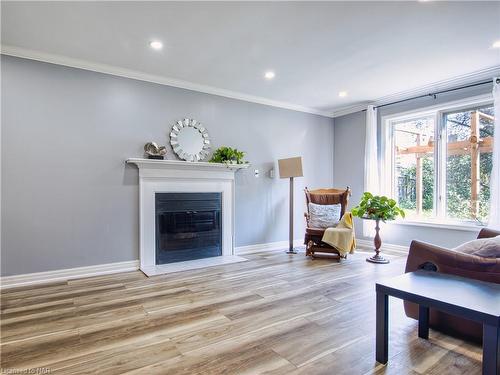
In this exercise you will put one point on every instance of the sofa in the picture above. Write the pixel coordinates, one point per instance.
(434, 258)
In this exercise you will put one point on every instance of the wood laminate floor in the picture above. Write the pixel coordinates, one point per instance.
(275, 314)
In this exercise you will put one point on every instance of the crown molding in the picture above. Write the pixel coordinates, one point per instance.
(457, 81)
(141, 76)
(168, 81)
(342, 111)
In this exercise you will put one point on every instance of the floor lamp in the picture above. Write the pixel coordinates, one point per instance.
(290, 168)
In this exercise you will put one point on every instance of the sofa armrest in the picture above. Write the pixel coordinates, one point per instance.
(452, 262)
(422, 252)
(488, 233)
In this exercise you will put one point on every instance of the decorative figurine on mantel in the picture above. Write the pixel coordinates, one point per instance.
(153, 151)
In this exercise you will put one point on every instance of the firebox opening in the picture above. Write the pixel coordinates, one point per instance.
(188, 226)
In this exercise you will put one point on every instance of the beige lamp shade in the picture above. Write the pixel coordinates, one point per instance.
(291, 167)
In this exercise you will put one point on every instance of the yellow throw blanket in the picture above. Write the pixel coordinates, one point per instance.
(342, 237)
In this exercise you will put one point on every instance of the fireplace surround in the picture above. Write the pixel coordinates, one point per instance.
(160, 177)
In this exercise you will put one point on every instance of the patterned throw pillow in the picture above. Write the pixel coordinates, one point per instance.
(324, 215)
(484, 247)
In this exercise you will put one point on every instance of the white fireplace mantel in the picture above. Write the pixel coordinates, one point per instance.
(144, 164)
(174, 176)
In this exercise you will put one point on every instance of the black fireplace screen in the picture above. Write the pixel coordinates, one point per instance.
(188, 226)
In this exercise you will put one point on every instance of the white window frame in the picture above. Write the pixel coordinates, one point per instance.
(387, 158)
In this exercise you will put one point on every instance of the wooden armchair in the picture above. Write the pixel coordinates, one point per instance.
(313, 236)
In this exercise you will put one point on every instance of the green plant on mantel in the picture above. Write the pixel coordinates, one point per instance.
(377, 207)
(228, 155)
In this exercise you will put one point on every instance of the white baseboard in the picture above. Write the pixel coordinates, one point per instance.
(368, 244)
(67, 274)
(109, 268)
(270, 246)
(133, 265)
(281, 245)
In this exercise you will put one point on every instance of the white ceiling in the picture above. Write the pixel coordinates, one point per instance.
(369, 49)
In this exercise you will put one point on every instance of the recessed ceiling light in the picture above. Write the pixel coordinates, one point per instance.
(343, 94)
(496, 44)
(156, 44)
(269, 75)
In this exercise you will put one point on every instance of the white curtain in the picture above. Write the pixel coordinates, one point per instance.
(372, 183)
(371, 152)
(494, 221)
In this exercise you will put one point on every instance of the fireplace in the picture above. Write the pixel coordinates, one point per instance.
(186, 215)
(188, 226)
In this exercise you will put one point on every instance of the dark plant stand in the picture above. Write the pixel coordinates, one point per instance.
(377, 242)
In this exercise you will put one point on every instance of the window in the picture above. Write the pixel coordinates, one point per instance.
(414, 165)
(438, 162)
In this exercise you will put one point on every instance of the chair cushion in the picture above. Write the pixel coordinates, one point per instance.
(484, 247)
(324, 215)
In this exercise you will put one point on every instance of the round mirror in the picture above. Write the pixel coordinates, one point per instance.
(189, 140)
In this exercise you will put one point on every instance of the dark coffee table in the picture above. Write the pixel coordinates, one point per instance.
(467, 298)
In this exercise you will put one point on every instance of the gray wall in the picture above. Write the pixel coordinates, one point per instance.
(349, 136)
(68, 199)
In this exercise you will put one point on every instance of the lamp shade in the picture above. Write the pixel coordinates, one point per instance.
(291, 167)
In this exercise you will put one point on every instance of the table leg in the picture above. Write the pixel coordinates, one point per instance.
(423, 322)
(491, 349)
(382, 329)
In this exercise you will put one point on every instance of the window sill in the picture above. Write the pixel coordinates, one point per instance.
(468, 227)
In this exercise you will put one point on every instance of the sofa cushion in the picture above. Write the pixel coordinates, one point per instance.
(484, 247)
(324, 215)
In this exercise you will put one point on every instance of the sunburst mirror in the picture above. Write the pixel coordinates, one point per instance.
(190, 140)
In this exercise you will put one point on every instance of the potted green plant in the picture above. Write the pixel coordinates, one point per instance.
(228, 155)
(377, 207)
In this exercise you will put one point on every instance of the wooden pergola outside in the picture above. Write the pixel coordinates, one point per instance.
(473, 146)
